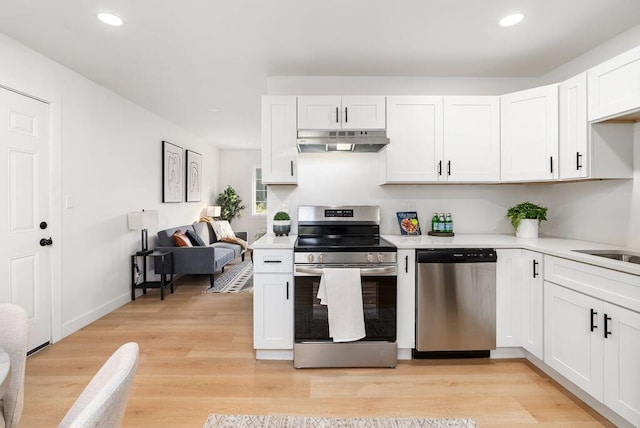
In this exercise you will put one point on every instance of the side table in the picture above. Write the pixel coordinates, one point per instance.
(166, 261)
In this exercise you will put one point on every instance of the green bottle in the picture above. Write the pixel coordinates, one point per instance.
(434, 222)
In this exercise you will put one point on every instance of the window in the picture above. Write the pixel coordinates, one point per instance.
(259, 205)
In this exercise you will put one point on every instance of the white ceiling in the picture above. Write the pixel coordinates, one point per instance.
(179, 58)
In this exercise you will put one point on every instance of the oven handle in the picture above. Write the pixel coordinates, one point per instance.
(377, 271)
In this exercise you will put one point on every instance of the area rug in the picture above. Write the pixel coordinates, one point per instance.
(235, 279)
(266, 421)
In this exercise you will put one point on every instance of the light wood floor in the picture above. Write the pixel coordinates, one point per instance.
(196, 358)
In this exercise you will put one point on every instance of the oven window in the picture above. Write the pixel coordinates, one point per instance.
(378, 301)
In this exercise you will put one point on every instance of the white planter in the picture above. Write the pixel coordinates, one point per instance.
(527, 229)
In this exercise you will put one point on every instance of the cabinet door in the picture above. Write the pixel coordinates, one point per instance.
(573, 343)
(279, 153)
(509, 298)
(529, 134)
(614, 86)
(573, 128)
(414, 128)
(406, 321)
(532, 303)
(363, 112)
(622, 362)
(319, 112)
(273, 311)
(472, 138)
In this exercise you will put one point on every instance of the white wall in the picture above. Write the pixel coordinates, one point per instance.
(107, 157)
(236, 169)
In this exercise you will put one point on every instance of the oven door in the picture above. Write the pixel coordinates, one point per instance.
(379, 300)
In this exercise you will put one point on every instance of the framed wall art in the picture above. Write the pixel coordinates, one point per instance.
(194, 176)
(172, 173)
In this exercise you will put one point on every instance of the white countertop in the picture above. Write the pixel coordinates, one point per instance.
(271, 241)
(558, 247)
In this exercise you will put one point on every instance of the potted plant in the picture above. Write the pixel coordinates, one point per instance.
(281, 223)
(230, 204)
(526, 218)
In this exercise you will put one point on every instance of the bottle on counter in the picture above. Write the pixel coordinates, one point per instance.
(441, 223)
(434, 222)
(448, 223)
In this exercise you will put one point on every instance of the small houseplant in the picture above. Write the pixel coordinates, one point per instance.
(281, 223)
(526, 218)
(230, 204)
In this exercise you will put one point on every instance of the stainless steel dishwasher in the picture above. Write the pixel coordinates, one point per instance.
(455, 302)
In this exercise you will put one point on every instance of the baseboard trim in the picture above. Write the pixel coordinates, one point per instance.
(274, 354)
(87, 318)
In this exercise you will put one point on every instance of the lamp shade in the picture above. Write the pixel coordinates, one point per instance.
(139, 220)
(213, 211)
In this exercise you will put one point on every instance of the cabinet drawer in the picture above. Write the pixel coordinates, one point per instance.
(609, 285)
(280, 261)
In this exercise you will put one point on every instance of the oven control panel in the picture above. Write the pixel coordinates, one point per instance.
(372, 257)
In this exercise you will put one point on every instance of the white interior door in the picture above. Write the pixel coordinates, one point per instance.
(25, 264)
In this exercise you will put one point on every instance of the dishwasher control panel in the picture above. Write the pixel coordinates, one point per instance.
(456, 255)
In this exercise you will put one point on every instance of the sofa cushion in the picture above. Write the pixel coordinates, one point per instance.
(165, 237)
(235, 240)
(180, 239)
(195, 239)
(235, 248)
(222, 229)
(222, 255)
(205, 232)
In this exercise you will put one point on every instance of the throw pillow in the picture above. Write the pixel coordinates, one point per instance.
(235, 240)
(194, 238)
(222, 229)
(180, 239)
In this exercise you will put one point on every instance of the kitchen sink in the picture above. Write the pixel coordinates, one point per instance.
(614, 254)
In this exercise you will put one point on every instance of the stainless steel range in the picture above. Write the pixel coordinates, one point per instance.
(340, 237)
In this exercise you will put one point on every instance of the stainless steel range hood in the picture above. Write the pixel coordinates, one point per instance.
(355, 141)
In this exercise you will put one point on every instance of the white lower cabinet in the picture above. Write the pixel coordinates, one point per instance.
(273, 303)
(509, 298)
(532, 303)
(406, 318)
(592, 342)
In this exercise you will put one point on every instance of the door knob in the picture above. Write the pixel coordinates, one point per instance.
(44, 242)
(43, 225)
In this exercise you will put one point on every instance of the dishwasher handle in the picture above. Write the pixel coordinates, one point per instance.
(456, 255)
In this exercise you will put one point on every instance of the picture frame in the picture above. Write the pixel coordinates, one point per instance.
(193, 177)
(172, 172)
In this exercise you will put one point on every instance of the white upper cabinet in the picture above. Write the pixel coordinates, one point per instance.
(279, 152)
(415, 131)
(471, 139)
(335, 112)
(529, 134)
(614, 86)
(574, 158)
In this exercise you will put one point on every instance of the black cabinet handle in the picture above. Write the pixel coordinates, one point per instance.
(406, 264)
(287, 290)
(593, 325)
(346, 114)
(440, 168)
(272, 261)
(449, 168)
(292, 168)
(535, 264)
(551, 164)
(578, 156)
(337, 113)
(607, 333)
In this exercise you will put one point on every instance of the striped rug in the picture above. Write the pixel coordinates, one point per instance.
(237, 278)
(266, 421)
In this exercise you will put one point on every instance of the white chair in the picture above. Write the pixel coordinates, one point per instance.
(14, 330)
(103, 401)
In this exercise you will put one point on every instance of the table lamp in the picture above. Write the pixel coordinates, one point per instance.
(214, 211)
(142, 220)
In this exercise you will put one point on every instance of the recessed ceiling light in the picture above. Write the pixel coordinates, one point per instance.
(512, 19)
(214, 110)
(110, 19)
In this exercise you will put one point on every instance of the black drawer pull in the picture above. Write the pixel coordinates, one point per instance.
(578, 156)
(287, 290)
(440, 168)
(535, 264)
(593, 314)
(273, 261)
(337, 115)
(406, 264)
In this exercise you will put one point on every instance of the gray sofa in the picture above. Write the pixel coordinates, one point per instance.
(199, 260)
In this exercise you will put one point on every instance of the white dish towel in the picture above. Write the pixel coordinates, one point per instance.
(341, 291)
